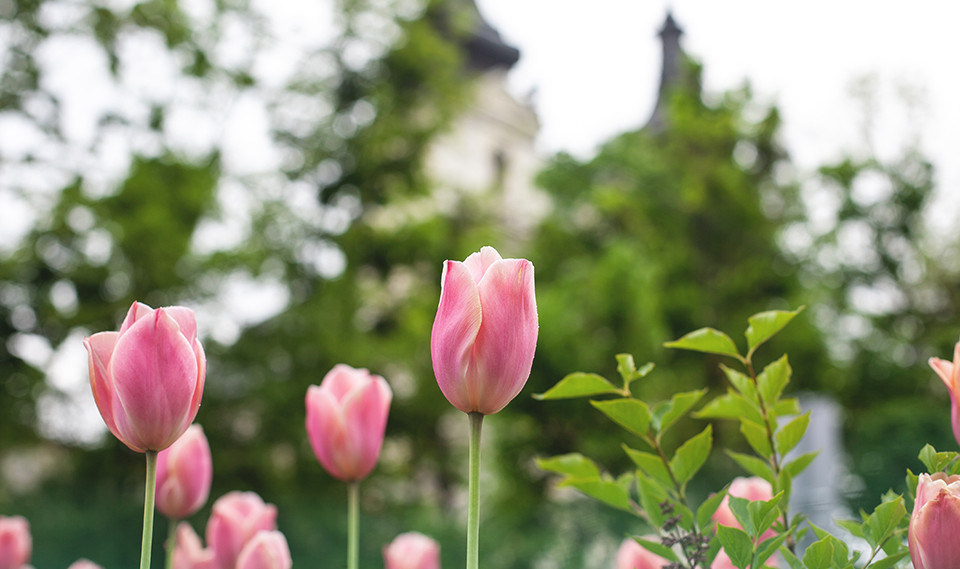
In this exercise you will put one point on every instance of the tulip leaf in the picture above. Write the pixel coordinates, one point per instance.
(579, 385)
(790, 434)
(708, 508)
(650, 465)
(737, 544)
(756, 435)
(573, 464)
(764, 325)
(666, 413)
(691, 456)
(707, 340)
(730, 406)
(773, 379)
(658, 548)
(631, 414)
(753, 465)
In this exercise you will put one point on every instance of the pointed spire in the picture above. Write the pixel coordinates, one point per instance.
(485, 49)
(672, 72)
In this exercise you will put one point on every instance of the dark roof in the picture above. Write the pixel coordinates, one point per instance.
(485, 49)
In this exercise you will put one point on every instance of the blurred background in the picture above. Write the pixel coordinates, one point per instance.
(297, 171)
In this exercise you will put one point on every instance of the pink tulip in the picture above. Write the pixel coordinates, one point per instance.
(236, 518)
(16, 545)
(346, 420)
(632, 555)
(935, 523)
(485, 332)
(267, 550)
(189, 552)
(184, 474)
(84, 564)
(950, 374)
(753, 489)
(147, 379)
(722, 561)
(412, 550)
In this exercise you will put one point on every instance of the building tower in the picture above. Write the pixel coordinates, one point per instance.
(673, 72)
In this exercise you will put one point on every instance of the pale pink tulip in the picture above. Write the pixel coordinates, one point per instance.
(84, 564)
(346, 421)
(267, 550)
(189, 553)
(412, 550)
(935, 523)
(949, 372)
(147, 379)
(722, 561)
(753, 489)
(184, 474)
(235, 519)
(632, 555)
(16, 545)
(485, 332)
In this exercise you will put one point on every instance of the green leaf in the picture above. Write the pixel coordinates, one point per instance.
(792, 560)
(852, 526)
(737, 544)
(657, 548)
(799, 464)
(691, 456)
(650, 465)
(573, 464)
(708, 508)
(763, 513)
(730, 406)
(603, 489)
(768, 547)
(791, 433)
(740, 509)
(578, 385)
(936, 461)
(667, 413)
(789, 406)
(819, 555)
(889, 560)
(741, 382)
(707, 340)
(753, 465)
(765, 324)
(626, 367)
(652, 495)
(773, 379)
(756, 435)
(631, 414)
(884, 521)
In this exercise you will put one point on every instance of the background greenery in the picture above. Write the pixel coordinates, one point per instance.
(656, 235)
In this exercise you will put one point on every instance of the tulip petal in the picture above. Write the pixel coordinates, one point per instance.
(454, 332)
(327, 431)
(478, 263)
(100, 348)
(185, 319)
(155, 373)
(137, 311)
(505, 345)
(343, 379)
(365, 413)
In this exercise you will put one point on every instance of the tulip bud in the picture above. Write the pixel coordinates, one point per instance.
(346, 421)
(189, 553)
(147, 379)
(412, 550)
(184, 474)
(16, 545)
(485, 332)
(235, 519)
(949, 372)
(84, 564)
(267, 550)
(632, 555)
(932, 534)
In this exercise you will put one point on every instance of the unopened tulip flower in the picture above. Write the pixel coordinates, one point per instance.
(184, 474)
(267, 550)
(485, 332)
(346, 421)
(632, 555)
(189, 553)
(16, 545)
(84, 564)
(949, 372)
(935, 523)
(147, 379)
(412, 550)
(235, 519)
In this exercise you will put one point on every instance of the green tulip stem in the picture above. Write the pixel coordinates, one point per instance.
(149, 498)
(353, 525)
(473, 513)
(171, 542)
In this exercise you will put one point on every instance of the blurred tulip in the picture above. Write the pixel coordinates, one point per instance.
(412, 550)
(949, 372)
(346, 420)
(235, 519)
(935, 523)
(632, 555)
(184, 474)
(267, 550)
(147, 379)
(485, 332)
(84, 564)
(753, 489)
(16, 545)
(189, 553)
(722, 561)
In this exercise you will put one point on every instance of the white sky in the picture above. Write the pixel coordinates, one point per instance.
(595, 66)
